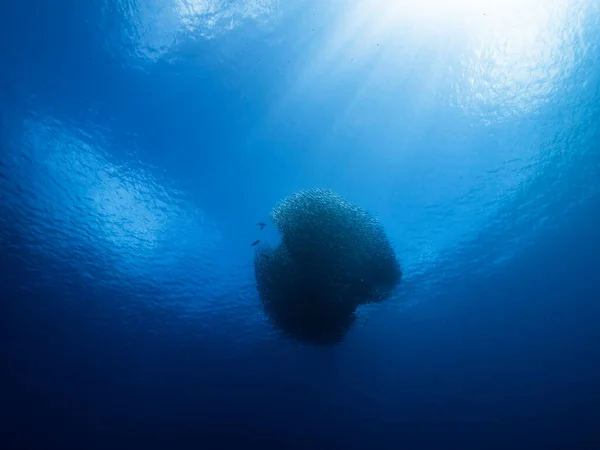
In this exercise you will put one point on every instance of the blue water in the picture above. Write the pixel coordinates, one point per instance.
(142, 140)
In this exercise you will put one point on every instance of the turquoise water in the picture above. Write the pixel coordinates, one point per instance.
(141, 142)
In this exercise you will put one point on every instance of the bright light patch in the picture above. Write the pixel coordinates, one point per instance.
(78, 197)
(154, 27)
(505, 53)
(210, 17)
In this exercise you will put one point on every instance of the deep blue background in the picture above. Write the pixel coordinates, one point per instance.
(140, 142)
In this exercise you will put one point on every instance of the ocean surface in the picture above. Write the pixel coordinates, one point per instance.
(141, 141)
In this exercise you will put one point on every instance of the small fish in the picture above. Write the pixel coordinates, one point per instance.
(261, 225)
(255, 242)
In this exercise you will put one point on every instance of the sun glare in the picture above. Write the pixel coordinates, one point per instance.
(501, 51)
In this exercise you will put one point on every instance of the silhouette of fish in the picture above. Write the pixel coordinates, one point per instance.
(261, 225)
(255, 242)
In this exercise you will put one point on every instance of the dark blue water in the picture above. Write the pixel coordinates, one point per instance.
(141, 141)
